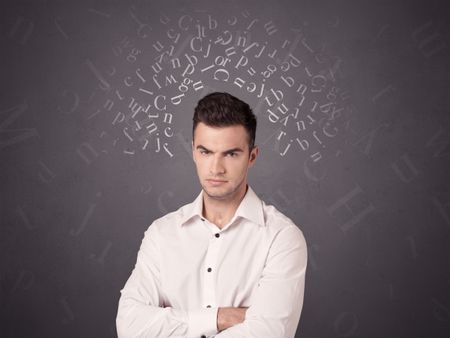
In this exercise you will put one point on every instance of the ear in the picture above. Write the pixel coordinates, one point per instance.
(193, 153)
(253, 155)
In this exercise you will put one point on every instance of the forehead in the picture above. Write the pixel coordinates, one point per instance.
(220, 138)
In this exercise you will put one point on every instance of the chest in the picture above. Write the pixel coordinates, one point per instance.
(199, 267)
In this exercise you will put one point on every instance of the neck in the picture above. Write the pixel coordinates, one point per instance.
(221, 211)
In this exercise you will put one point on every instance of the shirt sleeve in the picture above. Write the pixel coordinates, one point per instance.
(278, 299)
(140, 311)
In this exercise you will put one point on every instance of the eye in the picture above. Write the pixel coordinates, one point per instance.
(232, 154)
(204, 152)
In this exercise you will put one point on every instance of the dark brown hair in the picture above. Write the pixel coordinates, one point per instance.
(223, 110)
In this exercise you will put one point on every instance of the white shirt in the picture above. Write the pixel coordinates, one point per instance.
(187, 268)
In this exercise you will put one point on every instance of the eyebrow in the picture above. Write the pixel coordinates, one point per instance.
(232, 150)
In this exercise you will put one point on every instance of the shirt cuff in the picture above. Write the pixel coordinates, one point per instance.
(202, 322)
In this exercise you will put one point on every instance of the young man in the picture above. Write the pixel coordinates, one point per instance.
(226, 265)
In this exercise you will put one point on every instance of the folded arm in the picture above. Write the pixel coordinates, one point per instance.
(140, 311)
(278, 299)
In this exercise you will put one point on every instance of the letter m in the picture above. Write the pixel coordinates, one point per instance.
(441, 146)
(9, 137)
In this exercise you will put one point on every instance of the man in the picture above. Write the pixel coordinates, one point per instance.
(226, 265)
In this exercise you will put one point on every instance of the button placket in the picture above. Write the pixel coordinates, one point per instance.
(210, 273)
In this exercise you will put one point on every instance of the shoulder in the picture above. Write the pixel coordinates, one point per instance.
(275, 218)
(168, 221)
(280, 224)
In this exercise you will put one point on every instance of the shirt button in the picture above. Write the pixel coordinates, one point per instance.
(203, 336)
(217, 235)
(208, 305)
(209, 269)
(203, 219)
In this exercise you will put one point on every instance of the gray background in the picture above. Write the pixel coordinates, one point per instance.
(370, 190)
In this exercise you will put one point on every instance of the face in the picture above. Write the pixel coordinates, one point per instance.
(222, 158)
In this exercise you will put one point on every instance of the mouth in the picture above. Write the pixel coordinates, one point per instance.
(215, 182)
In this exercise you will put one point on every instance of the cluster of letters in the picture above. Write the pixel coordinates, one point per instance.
(190, 54)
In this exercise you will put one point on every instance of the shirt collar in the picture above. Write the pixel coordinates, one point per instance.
(193, 209)
(250, 208)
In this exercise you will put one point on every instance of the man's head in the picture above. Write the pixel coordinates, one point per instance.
(223, 110)
(223, 145)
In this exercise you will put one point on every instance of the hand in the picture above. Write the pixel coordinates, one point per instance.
(230, 316)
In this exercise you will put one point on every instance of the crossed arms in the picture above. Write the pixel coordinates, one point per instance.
(274, 312)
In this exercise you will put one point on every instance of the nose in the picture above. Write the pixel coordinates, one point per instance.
(217, 167)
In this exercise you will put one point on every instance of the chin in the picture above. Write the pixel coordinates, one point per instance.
(217, 194)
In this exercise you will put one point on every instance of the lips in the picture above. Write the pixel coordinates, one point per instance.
(215, 181)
